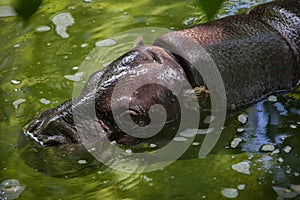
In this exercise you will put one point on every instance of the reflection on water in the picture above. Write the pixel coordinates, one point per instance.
(34, 64)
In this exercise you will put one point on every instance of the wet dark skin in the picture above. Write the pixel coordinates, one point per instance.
(257, 54)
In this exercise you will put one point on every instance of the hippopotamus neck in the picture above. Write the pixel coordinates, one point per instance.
(256, 53)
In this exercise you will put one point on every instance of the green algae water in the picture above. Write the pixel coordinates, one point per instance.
(39, 62)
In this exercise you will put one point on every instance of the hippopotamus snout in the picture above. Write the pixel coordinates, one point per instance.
(152, 67)
(52, 128)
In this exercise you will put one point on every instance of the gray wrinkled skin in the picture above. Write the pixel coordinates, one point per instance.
(256, 53)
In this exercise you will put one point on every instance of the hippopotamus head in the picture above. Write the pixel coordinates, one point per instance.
(160, 80)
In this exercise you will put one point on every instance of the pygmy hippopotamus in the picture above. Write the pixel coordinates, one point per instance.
(257, 54)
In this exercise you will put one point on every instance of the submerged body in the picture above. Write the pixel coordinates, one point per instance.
(256, 54)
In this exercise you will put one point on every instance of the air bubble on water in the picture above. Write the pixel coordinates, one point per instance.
(62, 21)
(83, 45)
(106, 42)
(75, 68)
(43, 28)
(235, 142)
(242, 167)
(82, 162)
(242, 118)
(268, 147)
(280, 159)
(230, 193)
(17, 45)
(128, 151)
(241, 186)
(16, 103)
(272, 98)
(15, 82)
(153, 145)
(276, 151)
(45, 101)
(287, 149)
(293, 126)
(240, 130)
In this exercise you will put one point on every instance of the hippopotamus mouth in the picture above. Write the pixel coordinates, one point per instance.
(56, 126)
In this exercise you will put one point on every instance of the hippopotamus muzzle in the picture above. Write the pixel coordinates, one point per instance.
(150, 65)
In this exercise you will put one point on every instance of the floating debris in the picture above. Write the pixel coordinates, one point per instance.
(76, 77)
(15, 82)
(241, 186)
(209, 119)
(45, 101)
(16, 103)
(242, 167)
(230, 193)
(287, 149)
(11, 189)
(272, 98)
(268, 147)
(62, 21)
(243, 118)
(235, 142)
(82, 162)
(43, 28)
(106, 43)
(284, 193)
